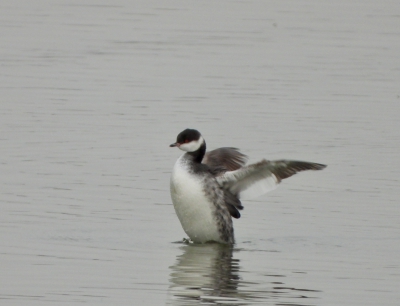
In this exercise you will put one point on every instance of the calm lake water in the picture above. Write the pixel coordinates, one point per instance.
(93, 93)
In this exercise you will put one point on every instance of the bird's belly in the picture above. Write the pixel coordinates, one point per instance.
(194, 210)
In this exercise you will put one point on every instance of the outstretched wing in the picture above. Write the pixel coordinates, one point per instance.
(224, 159)
(256, 179)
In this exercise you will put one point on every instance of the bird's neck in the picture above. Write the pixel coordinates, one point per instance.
(197, 156)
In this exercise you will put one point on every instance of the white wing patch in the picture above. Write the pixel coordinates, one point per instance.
(249, 181)
(259, 188)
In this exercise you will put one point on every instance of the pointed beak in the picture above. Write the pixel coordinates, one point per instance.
(174, 145)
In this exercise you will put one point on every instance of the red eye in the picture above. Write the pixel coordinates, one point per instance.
(186, 140)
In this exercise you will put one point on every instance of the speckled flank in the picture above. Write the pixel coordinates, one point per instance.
(221, 214)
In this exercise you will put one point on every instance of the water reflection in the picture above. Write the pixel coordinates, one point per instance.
(209, 274)
(204, 273)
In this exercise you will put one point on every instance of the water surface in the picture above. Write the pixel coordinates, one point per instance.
(92, 95)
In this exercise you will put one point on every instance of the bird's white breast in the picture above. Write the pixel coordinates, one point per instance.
(194, 210)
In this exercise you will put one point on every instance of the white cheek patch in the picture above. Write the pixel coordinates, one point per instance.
(192, 146)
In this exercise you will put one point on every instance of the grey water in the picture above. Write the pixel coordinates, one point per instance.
(93, 93)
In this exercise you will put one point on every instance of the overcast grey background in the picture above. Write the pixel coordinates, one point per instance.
(92, 94)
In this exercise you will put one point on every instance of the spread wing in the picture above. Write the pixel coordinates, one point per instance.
(256, 179)
(224, 159)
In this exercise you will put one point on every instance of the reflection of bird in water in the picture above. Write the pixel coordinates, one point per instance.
(204, 272)
(206, 188)
(209, 274)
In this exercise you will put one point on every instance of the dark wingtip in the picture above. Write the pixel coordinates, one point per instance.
(286, 168)
(236, 214)
(320, 166)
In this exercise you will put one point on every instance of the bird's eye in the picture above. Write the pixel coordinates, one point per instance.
(186, 140)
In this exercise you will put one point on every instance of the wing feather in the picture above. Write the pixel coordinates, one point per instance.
(256, 179)
(224, 159)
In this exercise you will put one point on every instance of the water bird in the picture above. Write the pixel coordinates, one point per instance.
(206, 187)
